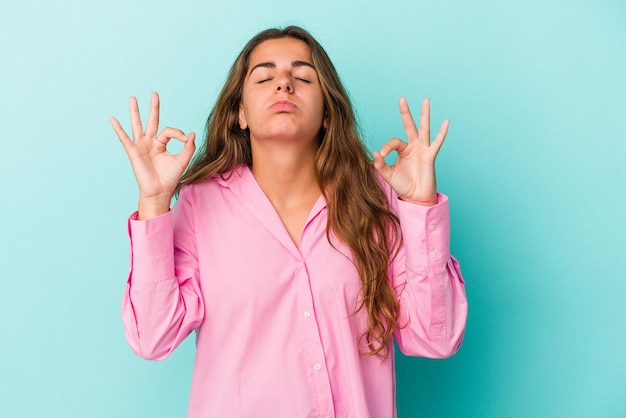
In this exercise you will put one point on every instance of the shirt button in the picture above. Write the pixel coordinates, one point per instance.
(431, 227)
(307, 314)
(432, 254)
(317, 366)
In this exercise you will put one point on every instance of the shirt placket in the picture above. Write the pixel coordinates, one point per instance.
(312, 351)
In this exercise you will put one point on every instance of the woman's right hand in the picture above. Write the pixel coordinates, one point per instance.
(156, 170)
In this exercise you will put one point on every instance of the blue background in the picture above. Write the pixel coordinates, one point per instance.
(534, 165)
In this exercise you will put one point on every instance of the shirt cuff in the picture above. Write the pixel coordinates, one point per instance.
(426, 232)
(151, 249)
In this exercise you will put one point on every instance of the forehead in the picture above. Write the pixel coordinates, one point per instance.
(275, 50)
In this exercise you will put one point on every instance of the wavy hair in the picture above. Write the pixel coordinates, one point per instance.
(358, 211)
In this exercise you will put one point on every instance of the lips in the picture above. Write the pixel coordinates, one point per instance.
(283, 105)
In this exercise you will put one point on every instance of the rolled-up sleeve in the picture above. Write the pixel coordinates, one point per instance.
(428, 282)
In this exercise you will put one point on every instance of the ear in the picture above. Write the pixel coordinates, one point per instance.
(325, 121)
(243, 124)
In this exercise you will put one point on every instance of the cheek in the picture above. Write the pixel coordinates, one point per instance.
(246, 111)
(321, 103)
(323, 113)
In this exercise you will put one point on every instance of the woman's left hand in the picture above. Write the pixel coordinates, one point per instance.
(413, 174)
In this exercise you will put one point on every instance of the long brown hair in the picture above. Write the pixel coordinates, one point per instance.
(358, 211)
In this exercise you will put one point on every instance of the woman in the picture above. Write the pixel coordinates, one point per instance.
(294, 258)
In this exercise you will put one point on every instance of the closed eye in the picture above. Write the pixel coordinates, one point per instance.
(263, 81)
(304, 80)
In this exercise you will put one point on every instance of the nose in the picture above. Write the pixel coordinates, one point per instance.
(284, 84)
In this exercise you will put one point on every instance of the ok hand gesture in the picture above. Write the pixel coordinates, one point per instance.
(156, 170)
(413, 174)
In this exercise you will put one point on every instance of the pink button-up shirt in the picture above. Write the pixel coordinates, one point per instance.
(277, 331)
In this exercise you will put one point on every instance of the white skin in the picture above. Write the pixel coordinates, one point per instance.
(283, 107)
(156, 170)
(412, 176)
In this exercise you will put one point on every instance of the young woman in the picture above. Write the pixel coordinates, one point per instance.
(295, 259)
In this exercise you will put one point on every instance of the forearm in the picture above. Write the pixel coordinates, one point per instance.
(429, 283)
(162, 303)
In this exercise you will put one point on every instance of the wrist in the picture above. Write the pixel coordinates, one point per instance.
(151, 207)
(423, 199)
(430, 202)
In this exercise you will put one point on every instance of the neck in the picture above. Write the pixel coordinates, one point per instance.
(285, 173)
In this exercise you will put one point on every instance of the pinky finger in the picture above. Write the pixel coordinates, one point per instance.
(121, 133)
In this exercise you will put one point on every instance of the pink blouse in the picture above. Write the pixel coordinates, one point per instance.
(277, 331)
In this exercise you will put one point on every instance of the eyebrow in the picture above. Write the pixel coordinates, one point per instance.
(272, 64)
